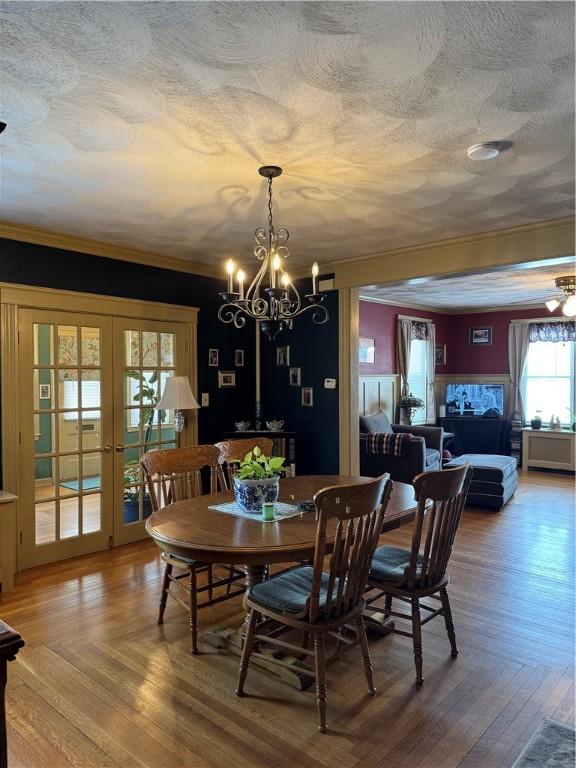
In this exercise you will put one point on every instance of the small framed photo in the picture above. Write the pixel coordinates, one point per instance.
(481, 336)
(366, 350)
(226, 379)
(440, 354)
(239, 358)
(45, 392)
(213, 358)
(283, 356)
(307, 396)
(295, 375)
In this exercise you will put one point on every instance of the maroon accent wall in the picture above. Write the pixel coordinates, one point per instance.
(378, 321)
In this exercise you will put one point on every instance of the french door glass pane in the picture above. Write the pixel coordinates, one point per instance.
(91, 512)
(69, 517)
(67, 345)
(45, 519)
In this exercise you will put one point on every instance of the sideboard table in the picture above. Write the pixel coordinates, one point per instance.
(10, 644)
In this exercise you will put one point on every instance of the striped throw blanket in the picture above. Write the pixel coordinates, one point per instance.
(391, 444)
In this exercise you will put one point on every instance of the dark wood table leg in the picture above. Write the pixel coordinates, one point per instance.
(10, 644)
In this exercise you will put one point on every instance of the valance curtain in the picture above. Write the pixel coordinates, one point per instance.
(430, 365)
(518, 342)
(404, 343)
(564, 330)
(420, 330)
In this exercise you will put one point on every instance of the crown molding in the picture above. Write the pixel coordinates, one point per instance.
(26, 234)
(453, 310)
(474, 254)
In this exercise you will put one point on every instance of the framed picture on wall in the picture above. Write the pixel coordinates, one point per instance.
(307, 396)
(295, 375)
(213, 358)
(481, 336)
(283, 356)
(226, 379)
(366, 350)
(239, 358)
(440, 354)
(45, 392)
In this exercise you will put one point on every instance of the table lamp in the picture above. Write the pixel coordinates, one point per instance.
(177, 397)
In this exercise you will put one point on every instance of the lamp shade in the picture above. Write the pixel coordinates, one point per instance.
(177, 395)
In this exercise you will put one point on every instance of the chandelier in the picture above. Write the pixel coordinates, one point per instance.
(567, 299)
(271, 299)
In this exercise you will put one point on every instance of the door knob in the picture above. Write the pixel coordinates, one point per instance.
(107, 449)
(119, 447)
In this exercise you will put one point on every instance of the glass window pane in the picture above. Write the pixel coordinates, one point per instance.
(91, 471)
(69, 517)
(167, 433)
(149, 348)
(90, 393)
(167, 350)
(132, 387)
(68, 390)
(149, 387)
(45, 522)
(91, 430)
(68, 475)
(132, 349)
(44, 433)
(43, 479)
(67, 345)
(90, 346)
(68, 431)
(43, 344)
(44, 389)
(91, 513)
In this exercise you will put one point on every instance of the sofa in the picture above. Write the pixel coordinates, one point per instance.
(424, 455)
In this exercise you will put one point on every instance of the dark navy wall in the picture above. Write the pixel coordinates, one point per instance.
(38, 265)
(314, 349)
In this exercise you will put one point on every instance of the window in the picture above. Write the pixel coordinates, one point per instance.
(548, 383)
(90, 399)
(418, 376)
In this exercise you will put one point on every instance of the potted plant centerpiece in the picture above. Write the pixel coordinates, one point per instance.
(257, 480)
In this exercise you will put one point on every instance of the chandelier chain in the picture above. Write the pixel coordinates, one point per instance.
(270, 220)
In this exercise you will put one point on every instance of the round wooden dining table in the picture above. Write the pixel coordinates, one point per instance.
(192, 529)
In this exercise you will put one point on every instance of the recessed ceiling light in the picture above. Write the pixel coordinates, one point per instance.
(485, 151)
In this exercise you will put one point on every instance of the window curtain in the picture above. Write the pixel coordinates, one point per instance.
(430, 365)
(564, 330)
(518, 342)
(404, 342)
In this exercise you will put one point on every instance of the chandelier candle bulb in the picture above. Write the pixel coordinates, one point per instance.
(315, 278)
(275, 268)
(230, 269)
(241, 277)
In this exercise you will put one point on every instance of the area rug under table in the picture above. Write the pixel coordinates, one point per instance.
(551, 746)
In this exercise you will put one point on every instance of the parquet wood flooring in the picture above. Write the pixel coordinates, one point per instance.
(100, 684)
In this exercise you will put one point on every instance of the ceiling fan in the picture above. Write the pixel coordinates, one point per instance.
(566, 298)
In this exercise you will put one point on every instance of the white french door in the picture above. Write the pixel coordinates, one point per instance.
(88, 385)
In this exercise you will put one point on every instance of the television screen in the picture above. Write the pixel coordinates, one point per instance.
(474, 399)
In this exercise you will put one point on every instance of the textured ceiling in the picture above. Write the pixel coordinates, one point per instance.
(143, 124)
(494, 289)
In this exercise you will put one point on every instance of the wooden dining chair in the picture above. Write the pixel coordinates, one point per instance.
(233, 451)
(171, 476)
(412, 574)
(319, 603)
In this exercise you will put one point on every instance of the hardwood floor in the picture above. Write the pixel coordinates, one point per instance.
(100, 684)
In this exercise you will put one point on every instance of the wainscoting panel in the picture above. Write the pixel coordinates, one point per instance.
(378, 393)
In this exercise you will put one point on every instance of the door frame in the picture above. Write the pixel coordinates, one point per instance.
(13, 297)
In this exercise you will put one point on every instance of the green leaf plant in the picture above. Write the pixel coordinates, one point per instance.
(256, 466)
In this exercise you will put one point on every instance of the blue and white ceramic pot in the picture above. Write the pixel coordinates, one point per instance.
(251, 494)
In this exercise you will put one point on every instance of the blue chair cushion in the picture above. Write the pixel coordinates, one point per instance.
(390, 564)
(184, 560)
(289, 591)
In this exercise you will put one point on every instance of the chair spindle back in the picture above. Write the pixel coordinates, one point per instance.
(436, 522)
(175, 474)
(359, 510)
(233, 451)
